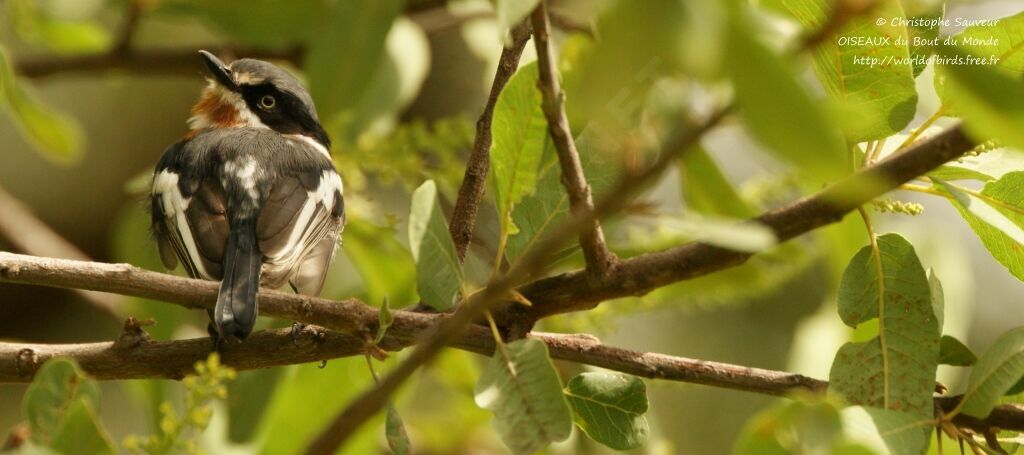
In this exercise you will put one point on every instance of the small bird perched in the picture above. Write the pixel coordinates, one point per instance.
(250, 195)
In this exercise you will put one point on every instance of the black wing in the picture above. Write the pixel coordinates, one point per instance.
(188, 216)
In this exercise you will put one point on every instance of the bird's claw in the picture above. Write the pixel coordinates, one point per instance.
(296, 331)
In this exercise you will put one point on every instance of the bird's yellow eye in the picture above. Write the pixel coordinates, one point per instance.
(267, 102)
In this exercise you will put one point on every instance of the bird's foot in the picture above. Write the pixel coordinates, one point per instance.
(297, 331)
(214, 336)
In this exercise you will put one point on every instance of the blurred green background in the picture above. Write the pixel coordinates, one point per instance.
(399, 87)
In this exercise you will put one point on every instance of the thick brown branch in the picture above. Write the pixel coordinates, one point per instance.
(599, 259)
(473, 182)
(134, 356)
(27, 233)
(636, 276)
(139, 358)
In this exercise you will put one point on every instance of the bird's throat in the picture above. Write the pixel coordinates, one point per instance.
(221, 108)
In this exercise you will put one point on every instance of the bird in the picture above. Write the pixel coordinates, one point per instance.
(250, 195)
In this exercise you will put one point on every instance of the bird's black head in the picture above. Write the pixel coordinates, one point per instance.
(256, 93)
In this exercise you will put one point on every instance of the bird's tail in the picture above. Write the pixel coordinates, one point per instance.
(235, 313)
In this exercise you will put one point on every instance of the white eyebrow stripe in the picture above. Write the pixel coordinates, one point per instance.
(248, 79)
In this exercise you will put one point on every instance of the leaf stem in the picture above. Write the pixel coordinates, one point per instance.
(924, 189)
(502, 242)
(924, 125)
(494, 329)
(972, 192)
(876, 151)
(373, 372)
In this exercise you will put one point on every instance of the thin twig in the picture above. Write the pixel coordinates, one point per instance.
(28, 234)
(598, 257)
(472, 189)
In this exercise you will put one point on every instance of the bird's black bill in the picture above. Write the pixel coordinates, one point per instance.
(219, 70)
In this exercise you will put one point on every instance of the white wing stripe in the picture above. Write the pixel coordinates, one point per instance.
(165, 184)
(311, 226)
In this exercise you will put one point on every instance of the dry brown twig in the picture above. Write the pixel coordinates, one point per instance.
(598, 257)
(478, 165)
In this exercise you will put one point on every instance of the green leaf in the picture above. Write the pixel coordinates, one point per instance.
(1003, 40)
(58, 384)
(1016, 389)
(438, 270)
(990, 100)
(995, 373)
(80, 431)
(778, 111)
(341, 55)
(996, 214)
(58, 136)
(610, 408)
(938, 299)
(896, 369)
(521, 387)
(798, 426)
(954, 172)
(953, 352)
(510, 13)
(874, 100)
(991, 165)
(538, 214)
(924, 29)
(706, 189)
(900, 432)
(394, 431)
(520, 137)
